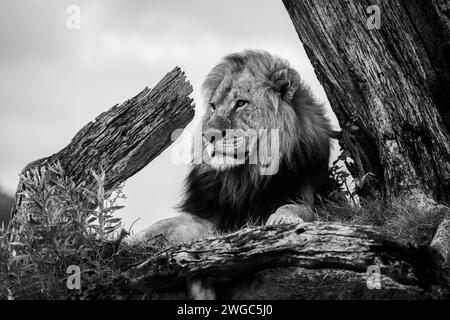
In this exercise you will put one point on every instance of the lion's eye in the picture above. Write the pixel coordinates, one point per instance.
(212, 105)
(240, 103)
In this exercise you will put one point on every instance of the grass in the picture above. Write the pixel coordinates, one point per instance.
(401, 218)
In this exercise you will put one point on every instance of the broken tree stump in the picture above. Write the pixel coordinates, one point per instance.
(124, 139)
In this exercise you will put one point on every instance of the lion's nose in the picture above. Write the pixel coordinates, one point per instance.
(218, 123)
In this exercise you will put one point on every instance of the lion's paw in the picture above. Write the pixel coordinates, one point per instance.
(291, 213)
(280, 218)
(180, 229)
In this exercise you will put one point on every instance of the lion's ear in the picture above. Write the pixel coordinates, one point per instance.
(285, 81)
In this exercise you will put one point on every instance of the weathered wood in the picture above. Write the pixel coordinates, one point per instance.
(395, 82)
(124, 139)
(262, 257)
(392, 80)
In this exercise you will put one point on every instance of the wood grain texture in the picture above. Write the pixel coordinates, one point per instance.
(394, 80)
(124, 139)
(262, 257)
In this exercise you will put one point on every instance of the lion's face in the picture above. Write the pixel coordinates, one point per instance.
(230, 121)
(243, 121)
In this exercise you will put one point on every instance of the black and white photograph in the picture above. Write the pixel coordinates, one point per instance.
(243, 152)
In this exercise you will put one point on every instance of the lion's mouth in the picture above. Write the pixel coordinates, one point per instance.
(234, 147)
(230, 145)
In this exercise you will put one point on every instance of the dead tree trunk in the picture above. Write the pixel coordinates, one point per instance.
(394, 81)
(308, 261)
(124, 139)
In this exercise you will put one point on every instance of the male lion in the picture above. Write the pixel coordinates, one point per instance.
(248, 93)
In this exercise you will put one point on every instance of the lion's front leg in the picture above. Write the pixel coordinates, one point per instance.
(183, 228)
(291, 213)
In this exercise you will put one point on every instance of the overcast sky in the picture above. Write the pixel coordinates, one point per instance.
(54, 80)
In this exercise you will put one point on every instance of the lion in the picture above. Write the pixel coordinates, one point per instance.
(243, 176)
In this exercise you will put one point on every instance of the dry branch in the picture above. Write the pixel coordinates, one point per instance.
(124, 139)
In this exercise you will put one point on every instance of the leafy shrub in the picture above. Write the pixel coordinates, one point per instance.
(60, 223)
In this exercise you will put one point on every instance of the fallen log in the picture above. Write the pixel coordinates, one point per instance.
(124, 139)
(310, 260)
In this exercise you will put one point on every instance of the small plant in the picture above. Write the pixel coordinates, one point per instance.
(346, 179)
(60, 223)
(342, 181)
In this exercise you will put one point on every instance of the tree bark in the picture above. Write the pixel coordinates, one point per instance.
(124, 139)
(394, 82)
(307, 261)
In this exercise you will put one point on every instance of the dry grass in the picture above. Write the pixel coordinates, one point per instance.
(400, 218)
